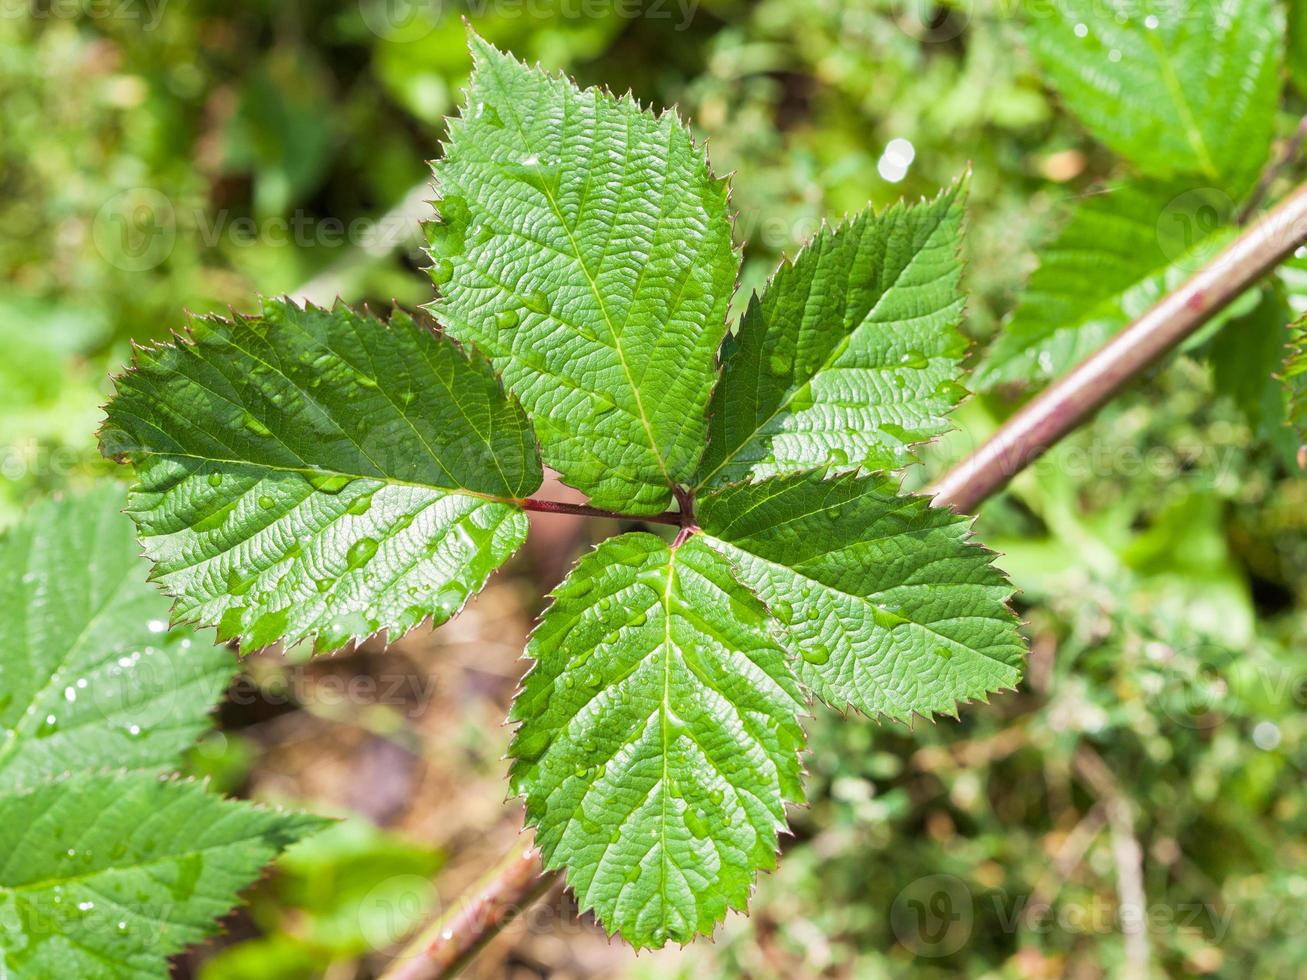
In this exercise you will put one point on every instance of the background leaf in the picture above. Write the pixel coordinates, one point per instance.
(1122, 249)
(659, 738)
(851, 355)
(106, 875)
(884, 603)
(319, 473)
(585, 246)
(106, 872)
(90, 675)
(1174, 86)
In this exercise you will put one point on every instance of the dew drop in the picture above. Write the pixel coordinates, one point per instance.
(507, 319)
(255, 426)
(780, 363)
(950, 391)
(266, 502)
(715, 797)
(48, 727)
(944, 653)
(360, 552)
(914, 359)
(837, 457)
(332, 483)
(816, 653)
(639, 619)
(360, 505)
(215, 479)
(536, 302)
(135, 731)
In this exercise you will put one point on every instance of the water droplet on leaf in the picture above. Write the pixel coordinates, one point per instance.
(914, 359)
(360, 552)
(816, 653)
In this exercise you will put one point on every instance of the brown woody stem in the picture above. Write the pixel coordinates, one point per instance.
(446, 946)
(1075, 398)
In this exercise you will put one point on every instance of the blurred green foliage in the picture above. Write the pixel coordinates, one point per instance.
(155, 157)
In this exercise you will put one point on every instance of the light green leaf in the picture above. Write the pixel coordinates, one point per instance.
(89, 675)
(1174, 86)
(1122, 250)
(107, 875)
(586, 248)
(1296, 47)
(1248, 358)
(1295, 380)
(885, 604)
(852, 354)
(659, 738)
(319, 473)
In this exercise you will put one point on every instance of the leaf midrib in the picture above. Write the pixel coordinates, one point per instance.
(594, 289)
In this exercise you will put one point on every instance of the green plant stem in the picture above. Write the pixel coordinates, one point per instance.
(443, 948)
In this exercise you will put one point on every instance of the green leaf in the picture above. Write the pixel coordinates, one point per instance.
(89, 675)
(319, 473)
(1248, 358)
(659, 738)
(586, 248)
(1174, 86)
(1296, 46)
(885, 604)
(1122, 251)
(106, 875)
(851, 356)
(1295, 380)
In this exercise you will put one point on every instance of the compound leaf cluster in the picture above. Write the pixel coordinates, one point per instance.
(313, 473)
(107, 867)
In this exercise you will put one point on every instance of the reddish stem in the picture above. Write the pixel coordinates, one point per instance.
(582, 510)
